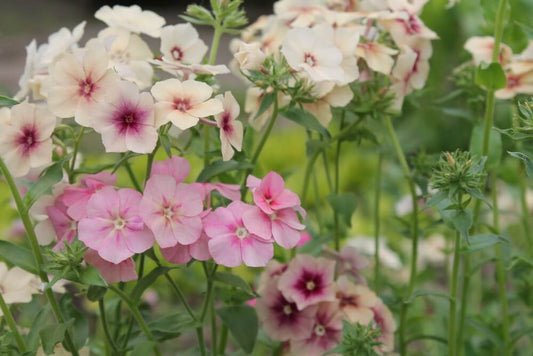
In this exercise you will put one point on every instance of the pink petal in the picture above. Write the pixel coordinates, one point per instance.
(188, 230)
(286, 199)
(226, 250)
(105, 203)
(178, 254)
(93, 231)
(219, 222)
(256, 253)
(200, 249)
(286, 236)
(177, 167)
(258, 223)
(114, 248)
(139, 241)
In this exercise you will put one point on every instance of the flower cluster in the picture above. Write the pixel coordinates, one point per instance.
(116, 224)
(303, 305)
(331, 44)
(518, 68)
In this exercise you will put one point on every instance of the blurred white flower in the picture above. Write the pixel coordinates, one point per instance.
(131, 18)
(377, 56)
(481, 50)
(17, 285)
(181, 43)
(249, 55)
(299, 13)
(365, 245)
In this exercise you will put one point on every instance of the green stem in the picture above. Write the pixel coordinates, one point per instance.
(377, 226)
(133, 179)
(307, 177)
(150, 161)
(207, 131)
(223, 340)
(524, 207)
(36, 250)
(464, 302)
(75, 154)
(12, 324)
(137, 315)
(214, 349)
(414, 246)
(218, 30)
(101, 307)
(453, 295)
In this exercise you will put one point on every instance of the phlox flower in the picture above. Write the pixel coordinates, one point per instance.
(183, 103)
(172, 211)
(25, 140)
(308, 281)
(481, 49)
(249, 55)
(231, 243)
(384, 319)
(131, 18)
(181, 43)
(326, 332)
(177, 167)
(77, 84)
(59, 226)
(252, 103)
(334, 96)
(355, 301)
(229, 191)
(111, 272)
(519, 77)
(189, 71)
(280, 318)
(377, 56)
(270, 194)
(300, 13)
(231, 129)
(316, 56)
(271, 273)
(113, 226)
(349, 261)
(77, 197)
(17, 285)
(126, 120)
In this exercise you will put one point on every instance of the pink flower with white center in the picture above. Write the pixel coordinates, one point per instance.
(326, 334)
(172, 211)
(283, 225)
(177, 167)
(231, 243)
(319, 58)
(25, 140)
(181, 43)
(77, 84)
(355, 301)
(281, 319)
(76, 198)
(481, 49)
(229, 191)
(308, 281)
(383, 318)
(270, 194)
(64, 226)
(114, 226)
(111, 272)
(131, 18)
(183, 103)
(377, 56)
(231, 130)
(126, 120)
(180, 254)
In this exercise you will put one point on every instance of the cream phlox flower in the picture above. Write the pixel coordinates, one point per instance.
(404, 25)
(377, 56)
(181, 43)
(231, 129)
(300, 13)
(315, 55)
(252, 103)
(338, 96)
(183, 103)
(249, 55)
(481, 50)
(519, 76)
(129, 55)
(25, 141)
(131, 18)
(77, 84)
(17, 285)
(188, 71)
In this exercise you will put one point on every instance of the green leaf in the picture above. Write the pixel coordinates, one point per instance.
(527, 161)
(517, 334)
(232, 280)
(427, 293)
(515, 37)
(305, 119)
(520, 264)
(165, 142)
(242, 323)
(146, 282)
(490, 76)
(490, 334)
(495, 147)
(266, 101)
(218, 167)
(172, 326)
(18, 256)
(478, 242)
(143, 349)
(38, 322)
(343, 204)
(5, 101)
(51, 176)
(53, 334)
(96, 293)
(80, 326)
(490, 10)
(462, 221)
(436, 199)
(91, 276)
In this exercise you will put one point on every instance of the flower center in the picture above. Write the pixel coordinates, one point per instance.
(86, 87)
(226, 119)
(28, 138)
(129, 118)
(310, 59)
(73, 225)
(273, 216)
(320, 330)
(168, 213)
(182, 105)
(241, 232)
(310, 285)
(176, 53)
(119, 223)
(512, 81)
(287, 310)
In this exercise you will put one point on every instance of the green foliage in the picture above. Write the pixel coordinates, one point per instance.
(358, 340)
(54, 334)
(5, 101)
(344, 204)
(242, 323)
(219, 167)
(491, 76)
(18, 256)
(227, 14)
(48, 178)
(305, 119)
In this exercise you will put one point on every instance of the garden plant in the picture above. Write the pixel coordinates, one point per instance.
(154, 211)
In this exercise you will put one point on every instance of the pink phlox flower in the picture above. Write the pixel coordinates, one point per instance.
(180, 254)
(229, 191)
(65, 227)
(308, 281)
(348, 261)
(231, 243)
(272, 271)
(111, 272)
(76, 198)
(271, 195)
(114, 226)
(355, 301)
(305, 237)
(384, 319)
(177, 167)
(231, 129)
(172, 211)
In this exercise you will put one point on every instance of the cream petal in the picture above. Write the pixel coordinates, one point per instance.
(207, 108)
(168, 90)
(68, 71)
(197, 92)
(42, 154)
(95, 63)
(182, 120)
(63, 100)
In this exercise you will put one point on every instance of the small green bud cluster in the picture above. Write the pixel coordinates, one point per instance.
(227, 14)
(358, 340)
(67, 262)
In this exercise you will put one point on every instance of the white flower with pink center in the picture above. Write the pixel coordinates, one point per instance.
(114, 226)
(231, 129)
(126, 120)
(131, 18)
(385, 321)
(377, 56)
(181, 43)
(25, 141)
(355, 301)
(172, 211)
(77, 84)
(231, 243)
(317, 57)
(300, 13)
(183, 103)
(308, 281)
(481, 49)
